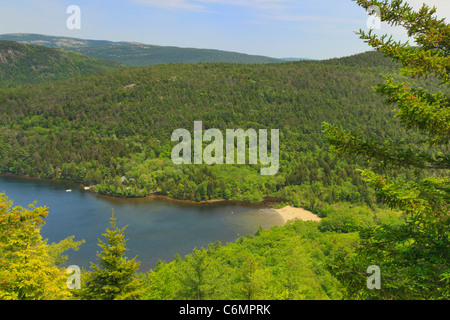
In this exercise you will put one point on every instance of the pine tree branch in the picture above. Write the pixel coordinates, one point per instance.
(431, 34)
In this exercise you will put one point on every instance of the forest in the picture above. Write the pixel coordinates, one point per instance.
(377, 177)
(137, 54)
(22, 64)
(97, 129)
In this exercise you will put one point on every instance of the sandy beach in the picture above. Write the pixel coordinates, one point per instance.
(292, 213)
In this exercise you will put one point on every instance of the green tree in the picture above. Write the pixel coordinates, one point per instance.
(113, 277)
(162, 282)
(195, 276)
(203, 277)
(249, 281)
(28, 268)
(413, 257)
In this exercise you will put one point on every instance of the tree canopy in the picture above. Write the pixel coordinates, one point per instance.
(413, 257)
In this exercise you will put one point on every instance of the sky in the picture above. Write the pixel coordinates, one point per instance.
(314, 29)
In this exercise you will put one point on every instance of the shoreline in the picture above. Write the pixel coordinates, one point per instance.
(268, 202)
(287, 213)
(290, 213)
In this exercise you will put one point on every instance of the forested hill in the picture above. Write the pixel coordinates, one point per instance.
(368, 60)
(59, 42)
(137, 54)
(146, 55)
(28, 64)
(100, 128)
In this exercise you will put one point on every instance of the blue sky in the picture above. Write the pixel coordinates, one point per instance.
(317, 29)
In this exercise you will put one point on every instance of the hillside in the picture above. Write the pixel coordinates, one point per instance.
(137, 54)
(99, 128)
(145, 55)
(28, 64)
(59, 42)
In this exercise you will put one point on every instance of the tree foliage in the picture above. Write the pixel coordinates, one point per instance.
(280, 263)
(22, 64)
(413, 257)
(98, 129)
(113, 278)
(27, 263)
(112, 131)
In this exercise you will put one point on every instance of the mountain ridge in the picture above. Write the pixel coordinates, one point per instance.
(60, 41)
(138, 54)
(98, 128)
(30, 64)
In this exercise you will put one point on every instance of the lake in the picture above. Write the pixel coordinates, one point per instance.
(156, 228)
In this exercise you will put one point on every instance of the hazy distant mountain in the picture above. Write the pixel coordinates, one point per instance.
(28, 64)
(138, 54)
(144, 55)
(295, 59)
(59, 42)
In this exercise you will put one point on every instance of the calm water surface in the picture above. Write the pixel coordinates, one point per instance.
(155, 228)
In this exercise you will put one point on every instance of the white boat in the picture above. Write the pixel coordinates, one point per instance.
(69, 190)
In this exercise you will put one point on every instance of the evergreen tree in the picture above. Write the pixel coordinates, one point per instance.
(413, 257)
(113, 277)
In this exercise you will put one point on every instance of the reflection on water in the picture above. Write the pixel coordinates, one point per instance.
(156, 228)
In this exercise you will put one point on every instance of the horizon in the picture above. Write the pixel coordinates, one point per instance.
(280, 29)
(150, 44)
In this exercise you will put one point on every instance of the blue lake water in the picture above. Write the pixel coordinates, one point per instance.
(156, 228)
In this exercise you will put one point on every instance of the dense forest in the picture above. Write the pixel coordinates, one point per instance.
(59, 42)
(97, 129)
(288, 262)
(137, 54)
(377, 177)
(147, 55)
(22, 64)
